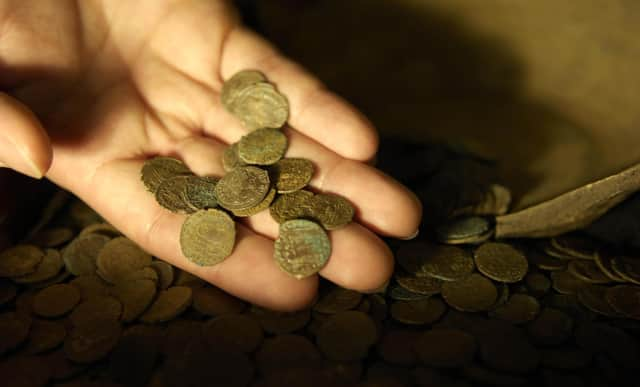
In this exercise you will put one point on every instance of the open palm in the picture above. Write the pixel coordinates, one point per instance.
(115, 82)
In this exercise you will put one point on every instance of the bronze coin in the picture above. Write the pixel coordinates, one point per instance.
(292, 206)
(238, 82)
(264, 146)
(48, 268)
(593, 297)
(302, 248)
(259, 105)
(337, 299)
(466, 230)
(603, 258)
(587, 271)
(448, 263)
(158, 169)
(242, 188)
(200, 192)
(119, 258)
(238, 331)
(332, 211)
(551, 327)
(14, 330)
(91, 342)
(207, 237)
(263, 205)
(628, 268)
(418, 312)
(566, 283)
(81, 254)
(473, 293)
(96, 309)
(291, 174)
(20, 260)
(45, 335)
(501, 262)
(135, 297)
(519, 309)
(421, 285)
(230, 158)
(212, 301)
(56, 300)
(172, 194)
(168, 305)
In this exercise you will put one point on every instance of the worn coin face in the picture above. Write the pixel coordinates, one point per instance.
(172, 194)
(230, 158)
(447, 263)
(135, 297)
(421, 285)
(473, 293)
(259, 105)
(263, 205)
(119, 257)
(56, 300)
(519, 309)
(48, 268)
(291, 174)
(158, 169)
(169, 304)
(264, 146)
(302, 248)
(81, 254)
(207, 237)
(242, 188)
(200, 192)
(418, 312)
(291, 206)
(501, 262)
(238, 82)
(332, 211)
(20, 260)
(467, 230)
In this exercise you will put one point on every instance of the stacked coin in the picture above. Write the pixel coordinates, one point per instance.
(258, 178)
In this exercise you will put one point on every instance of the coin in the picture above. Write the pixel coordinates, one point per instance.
(81, 254)
(48, 268)
(45, 335)
(20, 260)
(291, 174)
(96, 309)
(90, 286)
(421, 285)
(449, 348)
(211, 301)
(14, 329)
(264, 146)
(280, 322)
(496, 202)
(207, 237)
(473, 293)
(625, 299)
(52, 237)
(418, 312)
(519, 309)
(291, 206)
(156, 170)
(56, 300)
(627, 268)
(448, 263)
(537, 284)
(603, 259)
(337, 299)
(302, 248)
(545, 262)
(587, 271)
(501, 262)
(200, 192)
(91, 342)
(346, 336)
(172, 194)
(100, 228)
(230, 158)
(119, 257)
(237, 331)
(465, 230)
(169, 304)
(551, 327)
(575, 246)
(165, 273)
(399, 293)
(566, 283)
(593, 297)
(135, 297)
(263, 205)
(331, 211)
(259, 105)
(242, 188)
(238, 82)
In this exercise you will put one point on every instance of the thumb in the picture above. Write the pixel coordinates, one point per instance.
(24, 144)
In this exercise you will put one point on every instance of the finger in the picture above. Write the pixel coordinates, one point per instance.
(249, 272)
(203, 155)
(314, 111)
(24, 144)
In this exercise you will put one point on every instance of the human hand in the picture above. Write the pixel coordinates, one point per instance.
(116, 82)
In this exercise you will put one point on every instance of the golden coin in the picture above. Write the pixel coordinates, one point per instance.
(551, 327)
(627, 267)
(291, 174)
(593, 297)
(56, 300)
(156, 170)
(91, 342)
(207, 237)
(473, 293)
(347, 336)
(96, 308)
(263, 205)
(566, 283)
(230, 158)
(212, 301)
(135, 297)
(52, 237)
(519, 309)
(302, 248)
(172, 194)
(90, 286)
(625, 299)
(20, 260)
(448, 263)
(291, 206)
(587, 271)
(465, 230)
(280, 322)
(119, 257)
(45, 335)
(242, 188)
(48, 268)
(259, 105)
(200, 192)
(421, 285)
(238, 82)
(337, 299)
(501, 262)
(14, 329)
(603, 259)
(331, 211)
(165, 273)
(448, 348)
(237, 331)
(168, 305)
(418, 312)
(81, 254)
(264, 146)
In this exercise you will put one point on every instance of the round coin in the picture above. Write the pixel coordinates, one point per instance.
(466, 230)
(48, 268)
(551, 327)
(418, 312)
(519, 309)
(56, 300)
(331, 211)
(291, 174)
(230, 159)
(421, 285)
(263, 205)
(593, 297)
(119, 258)
(165, 273)
(20, 260)
(587, 271)
(237, 331)
(628, 268)
(242, 188)
(625, 299)
(347, 336)
(501, 262)
(336, 300)
(603, 259)
(156, 170)
(238, 82)
(96, 309)
(81, 254)
(45, 335)
(135, 297)
(446, 348)
(448, 263)
(200, 192)
(564, 282)
(259, 105)
(207, 237)
(291, 206)
(264, 146)
(212, 301)
(168, 305)
(302, 248)
(172, 194)
(474, 293)
(91, 342)
(53, 237)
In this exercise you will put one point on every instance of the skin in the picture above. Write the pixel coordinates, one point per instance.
(93, 88)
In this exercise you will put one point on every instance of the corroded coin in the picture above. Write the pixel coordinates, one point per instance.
(519, 309)
(119, 257)
(501, 262)
(448, 263)
(263, 205)
(230, 158)
(625, 299)
(302, 248)
(587, 271)
(88, 343)
(331, 211)
(96, 309)
(421, 285)
(337, 299)
(291, 174)
(347, 336)
(466, 230)
(473, 293)
(172, 194)
(56, 300)
(158, 169)
(264, 146)
(168, 305)
(238, 82)
(259, 105)
(418, 312)
(165, 273)
(200, 192)
(242, 188)
(48, 268)
(81, 254)
(20, 260)
(291, 206)
(135, 297)
(446, 348)
(207, 237)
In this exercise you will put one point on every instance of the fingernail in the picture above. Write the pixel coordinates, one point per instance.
(3, 165)
(20, 162)
(412, 236)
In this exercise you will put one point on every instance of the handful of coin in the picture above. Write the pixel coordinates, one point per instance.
(258, 178)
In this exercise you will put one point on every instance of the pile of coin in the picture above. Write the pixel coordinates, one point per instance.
(258, 178)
